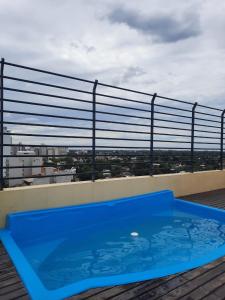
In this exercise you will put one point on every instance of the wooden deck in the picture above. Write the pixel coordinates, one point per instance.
(207, 282)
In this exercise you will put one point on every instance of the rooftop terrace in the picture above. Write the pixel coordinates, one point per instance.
(86, 130)
(207, 282)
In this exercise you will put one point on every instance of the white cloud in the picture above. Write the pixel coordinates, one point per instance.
(175, 49)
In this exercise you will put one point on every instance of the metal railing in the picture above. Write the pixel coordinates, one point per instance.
(109, 121)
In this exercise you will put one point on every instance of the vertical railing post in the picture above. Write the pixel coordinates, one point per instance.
(1, 125)
(221, 139)
(93, 174)
(193, 135)
(151, 158)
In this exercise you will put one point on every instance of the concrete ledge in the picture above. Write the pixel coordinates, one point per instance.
(56, 195)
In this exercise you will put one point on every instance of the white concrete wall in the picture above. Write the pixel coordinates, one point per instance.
(56, 195)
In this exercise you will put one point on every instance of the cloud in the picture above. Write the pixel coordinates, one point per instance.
(176, 50)
(164, 28)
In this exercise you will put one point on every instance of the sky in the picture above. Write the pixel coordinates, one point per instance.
(172, 47)
(175, 48)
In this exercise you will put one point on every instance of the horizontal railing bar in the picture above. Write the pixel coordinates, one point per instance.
(45, 176)
(187, 149)
(185, 123)
(122, 115)
(47, 72)
(23, 91)
(36, 155)
(182, 135)
(76, 146)
(173, 128)
(48, 105)
(48, 135)
(46, 115)
(41, 166)
(209, 107)
(187, 117)
(51, 96)
(122, 98)
(186, 142)
(158, 156)
(122, 106)
(207, 149)
(176, 100)
(207, 114)
(171, 107)
(171, 121)
(206, 131)
(121, 130)
(204, 125)
(50, 146)
(171, 114)
(124, 89)
(180, 159)
(46, 125)
(206, 137)
(185, 129)
(207, 120)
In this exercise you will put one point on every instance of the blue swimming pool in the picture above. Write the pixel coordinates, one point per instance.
(64, 251)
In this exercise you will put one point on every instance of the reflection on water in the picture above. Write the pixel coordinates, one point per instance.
(162, 242)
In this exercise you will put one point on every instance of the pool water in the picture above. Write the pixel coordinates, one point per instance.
(108, 248)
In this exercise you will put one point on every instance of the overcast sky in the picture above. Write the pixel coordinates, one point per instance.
(175, 48)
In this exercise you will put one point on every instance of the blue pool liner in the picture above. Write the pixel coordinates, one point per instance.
(23, 225)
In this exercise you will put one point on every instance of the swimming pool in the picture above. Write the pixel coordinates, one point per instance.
(63, 251)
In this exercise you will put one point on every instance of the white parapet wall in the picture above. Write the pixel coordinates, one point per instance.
(62, 194)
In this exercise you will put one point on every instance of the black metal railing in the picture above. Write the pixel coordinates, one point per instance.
(105, 128)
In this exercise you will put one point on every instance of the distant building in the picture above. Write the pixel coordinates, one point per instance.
(55, 151)
(66, 176)
(41, 151)
(106, 173)
(18, 147)
(7, 150)
(28, 166)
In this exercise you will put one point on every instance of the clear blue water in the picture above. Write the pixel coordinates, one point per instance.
(108, 248)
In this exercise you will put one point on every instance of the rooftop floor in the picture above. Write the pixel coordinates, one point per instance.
(207, 282)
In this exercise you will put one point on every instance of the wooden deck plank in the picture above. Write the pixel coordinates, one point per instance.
(207, 282)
